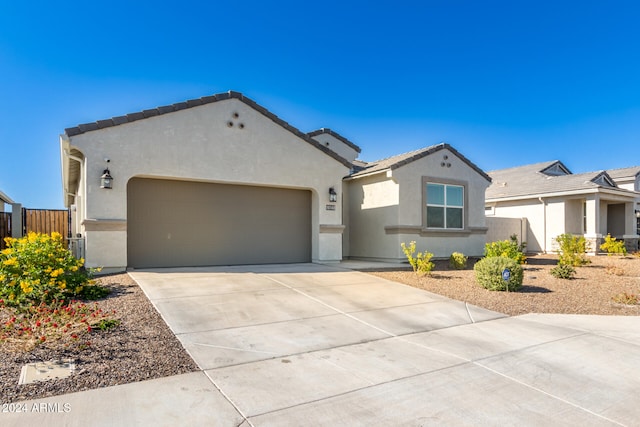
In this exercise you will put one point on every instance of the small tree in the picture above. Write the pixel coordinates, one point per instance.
(572, 250)
(421, 263)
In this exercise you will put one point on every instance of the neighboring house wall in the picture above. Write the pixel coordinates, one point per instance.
(504, 228)
(389, 208)
(534, 212)
(220, 142)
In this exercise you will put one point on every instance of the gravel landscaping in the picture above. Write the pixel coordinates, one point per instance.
(142, 347)
(590, 292)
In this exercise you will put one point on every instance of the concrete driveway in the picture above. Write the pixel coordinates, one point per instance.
(308, 344)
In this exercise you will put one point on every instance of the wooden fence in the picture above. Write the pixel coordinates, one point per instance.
(5, 227)
(37, 220)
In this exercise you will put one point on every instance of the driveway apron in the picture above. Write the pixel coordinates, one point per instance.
(305, 343)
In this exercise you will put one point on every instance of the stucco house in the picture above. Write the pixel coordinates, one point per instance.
(4, 200)
(555, 201)
(433, 196)
(220, 180)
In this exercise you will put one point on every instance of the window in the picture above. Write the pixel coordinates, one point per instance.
(445, 206)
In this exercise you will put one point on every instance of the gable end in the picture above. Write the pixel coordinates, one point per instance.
(120, 120)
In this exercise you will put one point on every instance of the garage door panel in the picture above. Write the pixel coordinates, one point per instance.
(178, 223)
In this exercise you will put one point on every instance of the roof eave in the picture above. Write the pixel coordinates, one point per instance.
(613, 191)
(145, 114)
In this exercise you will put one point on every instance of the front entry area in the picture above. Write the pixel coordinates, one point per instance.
(174, 223)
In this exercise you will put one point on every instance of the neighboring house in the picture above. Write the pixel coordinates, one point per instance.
(555, 201)
(4, 199)
(220, 181)
(7, 206)
(629, 179)
(434, 196)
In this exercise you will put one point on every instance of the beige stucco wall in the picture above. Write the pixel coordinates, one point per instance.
(500, 228)
(368, 216)
(225, 142)
(534, 211)
(387, 209)
(339, 147)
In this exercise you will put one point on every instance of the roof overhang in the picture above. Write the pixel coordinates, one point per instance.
(614, 194)
(71, 166)
(4, 198)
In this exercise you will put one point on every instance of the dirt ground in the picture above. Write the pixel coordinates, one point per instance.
(590, 292)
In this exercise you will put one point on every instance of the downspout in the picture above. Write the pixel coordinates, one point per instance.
(544, 224)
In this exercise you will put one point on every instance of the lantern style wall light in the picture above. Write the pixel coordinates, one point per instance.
(637, 214)
(333, 196)
(106, 180)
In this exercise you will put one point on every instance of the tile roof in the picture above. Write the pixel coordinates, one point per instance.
(335, 135)
(529, 180)
(395, 162)
(144, 114)
(631, 172)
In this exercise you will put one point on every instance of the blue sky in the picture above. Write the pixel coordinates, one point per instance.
(505, 82)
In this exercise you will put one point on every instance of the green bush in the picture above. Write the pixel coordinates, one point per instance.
(506, 248)
(563, 271)
(458, 261)
(572, 250)
(421, 263)
(489, 273)
(38, 269)
(613, 246)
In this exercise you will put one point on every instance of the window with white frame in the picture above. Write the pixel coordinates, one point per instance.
(445, 206)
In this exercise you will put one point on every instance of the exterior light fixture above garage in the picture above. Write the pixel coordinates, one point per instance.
(106, 180)
(333, 196)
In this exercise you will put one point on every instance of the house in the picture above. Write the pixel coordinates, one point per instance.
(629, 179)
(220, 180)
(4, 200)
(7, 207)
(555, 201)
(434, 196)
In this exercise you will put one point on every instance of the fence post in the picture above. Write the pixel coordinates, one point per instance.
(16, 220)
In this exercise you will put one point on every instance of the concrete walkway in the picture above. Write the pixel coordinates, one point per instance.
(308, 344)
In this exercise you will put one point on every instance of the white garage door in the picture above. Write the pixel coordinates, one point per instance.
(182, 223)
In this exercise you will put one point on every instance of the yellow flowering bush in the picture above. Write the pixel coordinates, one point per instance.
(37, 269)
(421, 263)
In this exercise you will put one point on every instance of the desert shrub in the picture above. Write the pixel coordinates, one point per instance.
(614, 270)
(38, 269)
(627, 298)
(489, 273)
(421, 263)
(563, 271)
(613, 246)
(458, 261)
(506, 248)
(56, 324)
(572, 250)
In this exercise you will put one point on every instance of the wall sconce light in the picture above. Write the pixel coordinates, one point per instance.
(637, 214)
(333, 196)
(106, 180)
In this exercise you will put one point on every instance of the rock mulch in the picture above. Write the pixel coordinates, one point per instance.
(590, 292)
(142, 347)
